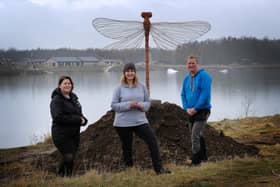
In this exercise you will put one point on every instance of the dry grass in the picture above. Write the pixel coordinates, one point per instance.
(251, 130)
(269, 150)
(41, 139)
(263, 170)
(242, 172)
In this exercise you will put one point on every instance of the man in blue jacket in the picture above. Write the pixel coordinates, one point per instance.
(196, 97)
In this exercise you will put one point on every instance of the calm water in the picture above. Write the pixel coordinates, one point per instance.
(24, 109)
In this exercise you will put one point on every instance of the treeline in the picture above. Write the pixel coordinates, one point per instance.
(227, 51)
(234, 50)
(223, 51)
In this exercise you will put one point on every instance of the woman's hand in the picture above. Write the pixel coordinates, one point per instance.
(133, 104)
(138, 105)
(83, 121)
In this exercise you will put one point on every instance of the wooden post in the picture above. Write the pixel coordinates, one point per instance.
(147, 26)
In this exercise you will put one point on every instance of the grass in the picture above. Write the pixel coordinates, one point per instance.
(263, 170)
(252, 128)
(235, 172)
(41, 139)
(269, 150)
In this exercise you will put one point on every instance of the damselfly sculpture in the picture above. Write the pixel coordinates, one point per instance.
(166, 35)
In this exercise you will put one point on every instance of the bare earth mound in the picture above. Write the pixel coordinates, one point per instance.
(100, 146)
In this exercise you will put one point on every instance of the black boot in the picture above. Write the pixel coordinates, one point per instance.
(163, 171)
(203, 151)
(60, 170)
(69, 168)
(124, 166)
(128, 164)
(196, 159)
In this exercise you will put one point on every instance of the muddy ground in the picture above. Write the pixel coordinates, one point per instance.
(100, 146)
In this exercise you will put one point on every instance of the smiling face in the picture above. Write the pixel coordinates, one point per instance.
(65, 87)
(129, 75)
(192, 65)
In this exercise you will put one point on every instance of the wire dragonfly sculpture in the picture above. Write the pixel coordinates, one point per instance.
(132, 34)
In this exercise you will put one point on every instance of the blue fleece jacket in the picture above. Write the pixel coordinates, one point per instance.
(196, 91)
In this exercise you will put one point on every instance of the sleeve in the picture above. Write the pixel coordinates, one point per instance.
(86, 121)
(146, 102)
(183, 96)
(59, 116)
(80, 109)
(116, 103)
(205, 92)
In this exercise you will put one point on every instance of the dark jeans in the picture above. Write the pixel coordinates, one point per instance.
(144, 132)
(199, 121)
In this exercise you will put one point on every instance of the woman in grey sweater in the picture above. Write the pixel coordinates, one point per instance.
(130, 102)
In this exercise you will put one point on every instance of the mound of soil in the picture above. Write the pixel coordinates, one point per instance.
(100, 146)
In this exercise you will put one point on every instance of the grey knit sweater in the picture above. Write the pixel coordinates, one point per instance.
(126, 116)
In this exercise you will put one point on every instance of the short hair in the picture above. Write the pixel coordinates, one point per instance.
(192, 57)
(62, 78)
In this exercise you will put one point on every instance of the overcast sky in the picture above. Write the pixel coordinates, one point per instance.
(31, 24)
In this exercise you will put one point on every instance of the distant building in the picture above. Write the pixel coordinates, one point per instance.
(88, 61)
(71, 61)
(79, 61)
(63, 61)
(111, 61)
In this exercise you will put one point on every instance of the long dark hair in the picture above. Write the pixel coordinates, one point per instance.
(62, 78)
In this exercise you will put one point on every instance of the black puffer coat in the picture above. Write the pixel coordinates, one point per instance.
(66, 121)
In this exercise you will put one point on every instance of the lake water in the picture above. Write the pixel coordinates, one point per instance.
(24, 99)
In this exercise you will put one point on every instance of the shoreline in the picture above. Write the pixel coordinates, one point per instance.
(117, 67)
(218, 66)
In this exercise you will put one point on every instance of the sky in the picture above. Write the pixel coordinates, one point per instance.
(52, 24)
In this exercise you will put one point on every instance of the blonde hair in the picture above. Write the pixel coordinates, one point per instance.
(192, 57)
(124, 80)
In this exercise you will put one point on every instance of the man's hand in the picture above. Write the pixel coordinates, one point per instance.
(191, 111)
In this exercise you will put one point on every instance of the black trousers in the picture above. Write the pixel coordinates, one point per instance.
(67, 142)
(145, 133)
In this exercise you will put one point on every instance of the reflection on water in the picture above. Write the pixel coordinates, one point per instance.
(24, 110)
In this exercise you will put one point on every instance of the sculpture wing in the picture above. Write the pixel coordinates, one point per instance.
(168, 35)
(130, 34)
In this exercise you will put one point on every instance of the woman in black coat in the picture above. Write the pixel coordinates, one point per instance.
(67, 118)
